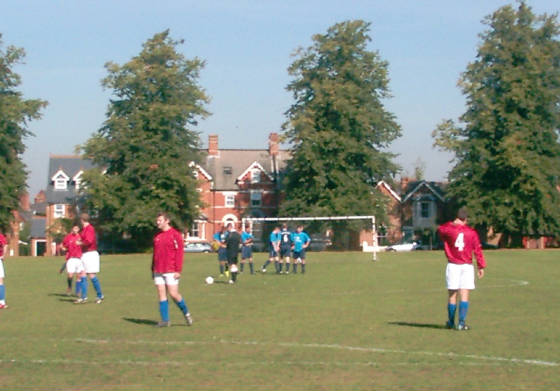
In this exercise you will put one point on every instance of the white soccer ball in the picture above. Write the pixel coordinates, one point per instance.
(209, 280)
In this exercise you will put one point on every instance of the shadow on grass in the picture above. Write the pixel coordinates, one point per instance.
(421, 325)
(63, 297)
(147, 322)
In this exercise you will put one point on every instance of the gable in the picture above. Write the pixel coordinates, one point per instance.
(246, 175)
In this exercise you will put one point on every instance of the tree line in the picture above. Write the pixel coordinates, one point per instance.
(505, 146)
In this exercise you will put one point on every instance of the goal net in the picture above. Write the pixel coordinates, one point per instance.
(322, 231)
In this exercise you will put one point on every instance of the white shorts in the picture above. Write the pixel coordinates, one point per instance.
(459, 276)
(74, 265)
(165, 279)
(91, 261)
(2, 275)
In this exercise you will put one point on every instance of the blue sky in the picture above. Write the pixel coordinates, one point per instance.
(247, 46)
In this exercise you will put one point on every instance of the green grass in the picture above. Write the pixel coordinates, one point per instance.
(348, 323)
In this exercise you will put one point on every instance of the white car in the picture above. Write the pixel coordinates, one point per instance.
(403, 246)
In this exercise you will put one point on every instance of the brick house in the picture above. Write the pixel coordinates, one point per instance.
(63, 185)
(237, 183)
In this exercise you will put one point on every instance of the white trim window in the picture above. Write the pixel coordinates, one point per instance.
(256, 199)
(229, 200)
(255, 175)
(59, 211)
(195, 230)
(61, 182)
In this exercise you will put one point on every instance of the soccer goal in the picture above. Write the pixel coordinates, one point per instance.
(374, 248)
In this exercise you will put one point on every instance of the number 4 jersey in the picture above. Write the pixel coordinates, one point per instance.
(459, 242)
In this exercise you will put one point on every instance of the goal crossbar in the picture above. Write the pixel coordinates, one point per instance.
(322, 218)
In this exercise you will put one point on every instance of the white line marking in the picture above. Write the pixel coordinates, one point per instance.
(511, 283)
(333, 346)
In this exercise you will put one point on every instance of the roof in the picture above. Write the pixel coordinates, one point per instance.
(237, 161)
(38, 228)
(414, 186)
(70, 165)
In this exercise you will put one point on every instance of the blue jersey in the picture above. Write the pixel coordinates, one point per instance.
(274, 237)
(299, 240)
(220, 236)
(245, 236)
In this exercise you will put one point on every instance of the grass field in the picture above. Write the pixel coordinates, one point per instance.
(349, 323)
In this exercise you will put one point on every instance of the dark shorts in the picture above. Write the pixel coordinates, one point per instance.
(273, 252)
(222, 254)
(246, 252)
(285, 252)
(299, 254)
(232, 259)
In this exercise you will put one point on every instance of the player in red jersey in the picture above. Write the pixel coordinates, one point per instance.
(460, 241)
(90, 259)
(167, 265)
(3, 248)
(73, 258)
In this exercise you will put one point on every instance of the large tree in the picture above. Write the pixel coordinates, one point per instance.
(338, 126)
(507, 155)
(143, 150)
(15, 115)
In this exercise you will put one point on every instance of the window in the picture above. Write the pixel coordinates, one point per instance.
(425, 209)
(60, 182)
(256, 198)
(228, 170)
(230, 199)
(195, 231)
(59, 211)
(255, 175)
(195, 174)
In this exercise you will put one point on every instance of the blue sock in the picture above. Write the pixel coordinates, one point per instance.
(97, 286)
(164, 310)
(451, 308)
(294, 268)
(182, 306)
(266, 263)
(221, 269)
(463, 309)
(78, 286)
(251, 267)
(303, 267)
(84, 287)
(2, 292)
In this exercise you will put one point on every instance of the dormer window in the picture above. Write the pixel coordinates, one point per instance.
(255, 175)
(60, 180)
(228, 170)
(78, 179)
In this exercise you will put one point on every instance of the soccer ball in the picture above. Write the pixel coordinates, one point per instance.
(209, 280)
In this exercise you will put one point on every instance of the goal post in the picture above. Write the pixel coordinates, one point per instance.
(374, 248)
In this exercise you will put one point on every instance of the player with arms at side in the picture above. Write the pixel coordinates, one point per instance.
(3, 249)
(74, 264)
(285, 249)
(233, 241)
(220, 240)
(247, 249)
(274, 244)
(167, 265)
(460, 241)
(90, 260)
(300, 241)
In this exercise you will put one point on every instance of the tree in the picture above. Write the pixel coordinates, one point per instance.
(15, 115)
(143, 150)
(507, 155)
(338, 127)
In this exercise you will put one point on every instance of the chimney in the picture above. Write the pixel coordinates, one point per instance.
(24, 201)
(273, 144)
(213, 145)
(404, 183)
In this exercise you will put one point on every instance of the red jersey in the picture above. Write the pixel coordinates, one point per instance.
(459, 242)
(73, 250)
(3, 242)
(168, 252)
(89, 242)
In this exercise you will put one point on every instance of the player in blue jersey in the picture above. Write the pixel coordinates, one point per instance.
(247, 249)
(220, 239)
(300, 241)
(274, 244)
(285, 249)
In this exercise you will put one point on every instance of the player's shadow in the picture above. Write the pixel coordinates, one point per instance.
(63, 297)
(147, 322)
(421, 325)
